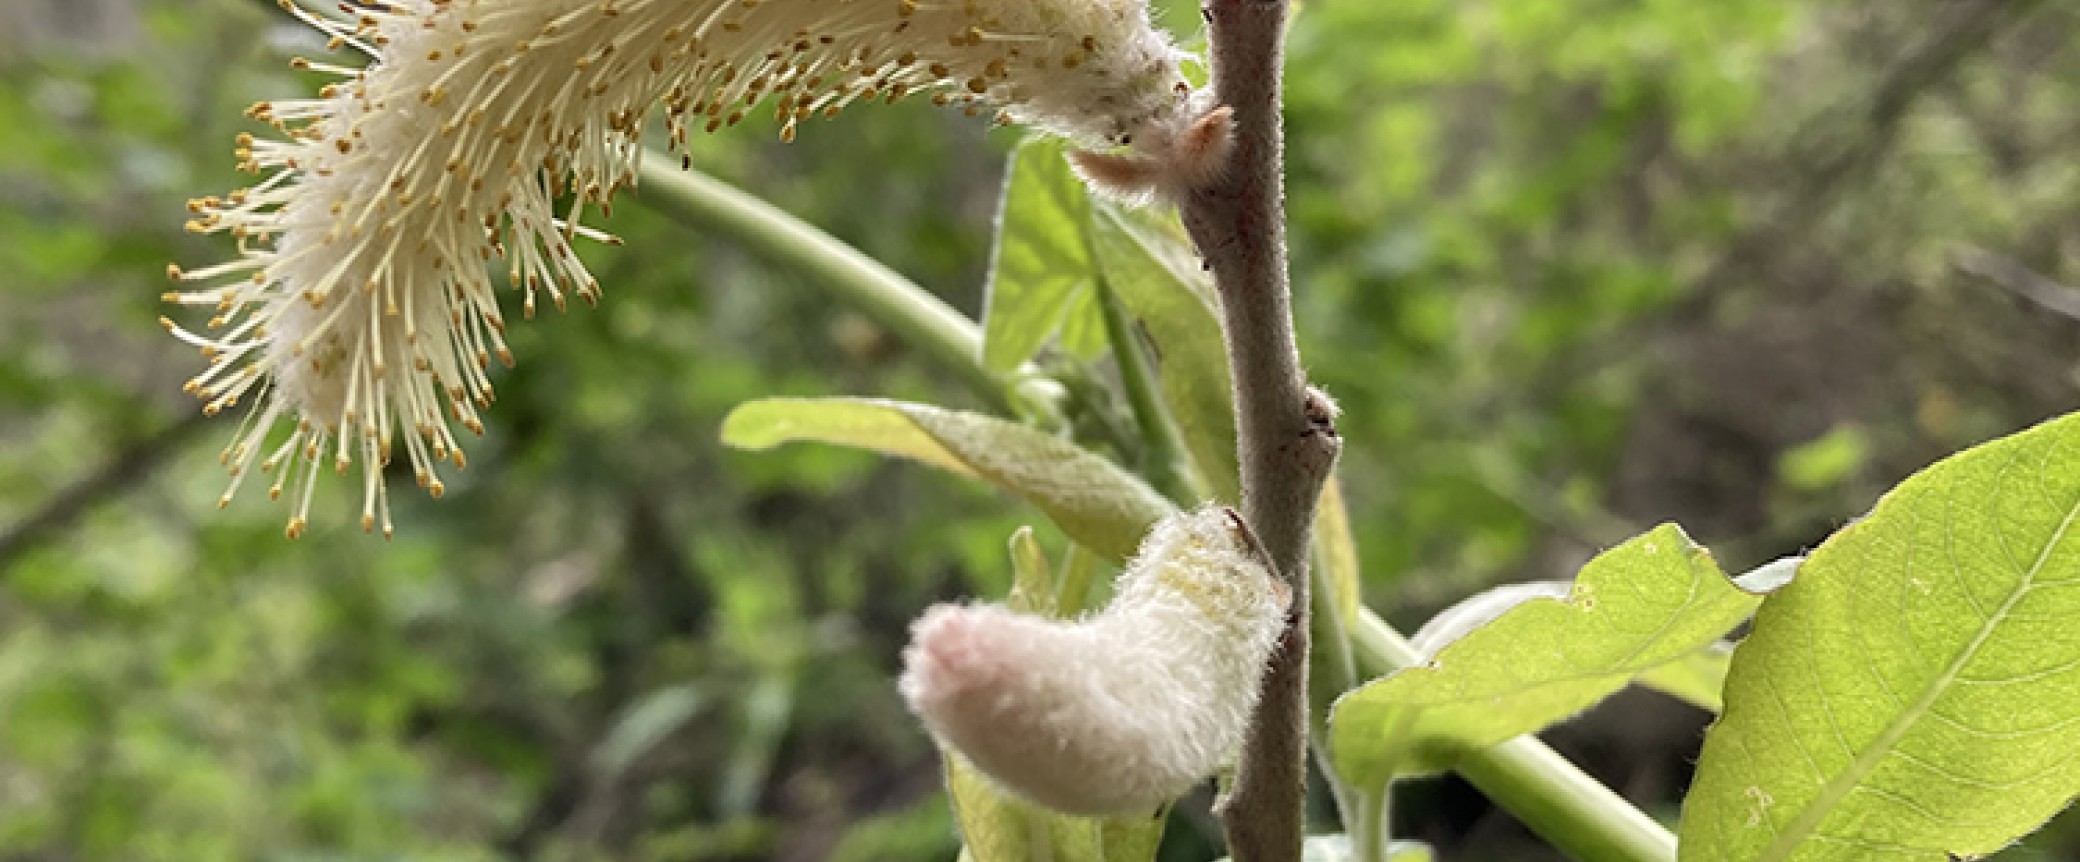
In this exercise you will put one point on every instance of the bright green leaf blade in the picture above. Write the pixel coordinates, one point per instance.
(997, 827)
(1040, 262)
(861, 424)
(1917, 691)
(1651, 600)
(1083, 325)
(1696, 679)
(1095, 502)
(1151, 267)
(1480, 609)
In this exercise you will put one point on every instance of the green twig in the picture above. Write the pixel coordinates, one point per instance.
(1073, 596)
(1164, 464)
(1365, 821)
(914, 314)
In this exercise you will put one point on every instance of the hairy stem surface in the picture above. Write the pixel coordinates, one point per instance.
(1286, 446)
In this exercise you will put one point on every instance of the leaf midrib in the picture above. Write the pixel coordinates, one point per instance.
(1809, 819)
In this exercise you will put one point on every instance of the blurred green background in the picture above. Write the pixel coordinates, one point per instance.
(1572, 267)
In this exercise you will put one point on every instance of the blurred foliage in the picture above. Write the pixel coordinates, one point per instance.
(1571, 267)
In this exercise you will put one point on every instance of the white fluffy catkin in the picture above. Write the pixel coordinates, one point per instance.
(358, 311)
(1120, 712)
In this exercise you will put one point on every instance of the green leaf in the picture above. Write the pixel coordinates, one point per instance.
(1649, 601)
(861, 424)
(1916, 692)
(1032, 581)
(1152, 268)
(1696, 679)
(1480, 609)
(1337, 848)
(997, 827)
(1040, 265)
(1094, 501)
(1083, 325)
(1336, 549)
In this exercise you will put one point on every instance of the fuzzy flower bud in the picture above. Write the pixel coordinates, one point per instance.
(359, 307)
(1120, 712)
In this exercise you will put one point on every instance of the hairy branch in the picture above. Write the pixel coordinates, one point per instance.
(1286, 440)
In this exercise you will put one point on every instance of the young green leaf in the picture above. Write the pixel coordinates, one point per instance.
(1916, 692)
(997, 827)
(1651, 600)
(1094, 501)
(1336, 550)
(1032, 580)
(1696, 679)
(1040, 267)
(1152, 269)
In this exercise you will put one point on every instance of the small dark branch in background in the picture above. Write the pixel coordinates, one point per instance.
(2017, 279)
(1238, 223)
(1827, 154)
(130, 465)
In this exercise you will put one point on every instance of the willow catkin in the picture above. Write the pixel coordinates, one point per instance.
(1125, 710)
(357, 311)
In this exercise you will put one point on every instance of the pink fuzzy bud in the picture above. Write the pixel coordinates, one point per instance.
(1120, 712)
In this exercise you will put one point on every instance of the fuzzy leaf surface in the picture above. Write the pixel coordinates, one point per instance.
(1093, 500)
(1151, 267)
(1652, 600)
(1916, 692)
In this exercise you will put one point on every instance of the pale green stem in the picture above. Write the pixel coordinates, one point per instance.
(1552, 796)
(918, 318)
(1548, 794)
(1163, 460)
(1079, 566)
(1365, 821)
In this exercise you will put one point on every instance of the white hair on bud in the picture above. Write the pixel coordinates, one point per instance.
(1120, 712)
(1321, 409)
